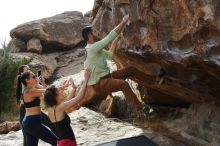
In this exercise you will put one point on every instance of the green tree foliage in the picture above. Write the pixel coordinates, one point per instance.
(8, 74)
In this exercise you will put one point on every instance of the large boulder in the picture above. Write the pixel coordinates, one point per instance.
(55, 65)
(183, 38)
(180, 36)
(88, 16)
(59, 31)
(96, 6)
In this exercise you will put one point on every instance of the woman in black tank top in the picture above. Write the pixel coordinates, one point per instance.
(31, 124)
(19, 96)
(54, 99)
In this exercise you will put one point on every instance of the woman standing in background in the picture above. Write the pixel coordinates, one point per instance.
(19, 96)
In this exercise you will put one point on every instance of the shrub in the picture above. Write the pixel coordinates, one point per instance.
(8, 73)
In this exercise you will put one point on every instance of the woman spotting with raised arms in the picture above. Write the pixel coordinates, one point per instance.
(54, 99)
(33, 129)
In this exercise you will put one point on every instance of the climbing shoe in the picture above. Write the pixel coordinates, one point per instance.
(161, 77)
(148, 111)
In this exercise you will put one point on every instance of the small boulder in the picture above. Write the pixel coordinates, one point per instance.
(9, 126)
(17, 45)
(34, 45)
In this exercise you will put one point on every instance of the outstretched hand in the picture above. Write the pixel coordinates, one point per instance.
(121, 25)
(71, 81)
(125, 18)
(41, 80)
(65, 84)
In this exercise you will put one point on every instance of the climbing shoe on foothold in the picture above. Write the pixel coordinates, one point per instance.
(148, 111)
(161, 77)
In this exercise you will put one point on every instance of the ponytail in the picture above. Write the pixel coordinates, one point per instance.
(18, 89)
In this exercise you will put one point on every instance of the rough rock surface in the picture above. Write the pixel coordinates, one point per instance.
(199, 125)
(88, 16)
(54, 65)
(34, 45)
(17, 45)
(70, 62)
(60, 31)
(6, 127)
(46, 63)
(180, 36)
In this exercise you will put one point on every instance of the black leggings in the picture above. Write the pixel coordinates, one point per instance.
(34, 130)
(22, 114)
(44, 120)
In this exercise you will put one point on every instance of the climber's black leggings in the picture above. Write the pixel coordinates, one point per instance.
(34, 131)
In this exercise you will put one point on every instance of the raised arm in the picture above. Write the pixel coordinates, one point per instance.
(97, 46)
(73, 92)
(34, 93)
(121, 25)
(41, 83)
(68, 104)
(114, 44)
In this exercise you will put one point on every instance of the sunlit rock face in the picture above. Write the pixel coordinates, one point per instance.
(181, 36)
(53, 33)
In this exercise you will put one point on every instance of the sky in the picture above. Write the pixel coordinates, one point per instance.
(15, 12)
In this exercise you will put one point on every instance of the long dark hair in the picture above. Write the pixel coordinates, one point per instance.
(85, 32)
(19, 85)
(21, 69)
(25, 76)
(50, 96)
